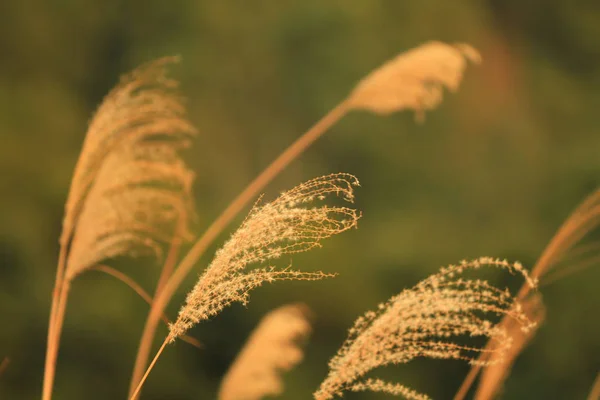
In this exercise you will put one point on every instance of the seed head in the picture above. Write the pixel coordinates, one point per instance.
(422, 322)
(290, 224)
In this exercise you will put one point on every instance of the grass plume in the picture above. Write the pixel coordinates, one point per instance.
(129, 186)
(273, 347)
(289, 224)
(133, 205)
(142, 107)
(422, 322)
(582, 221)
(284, 226)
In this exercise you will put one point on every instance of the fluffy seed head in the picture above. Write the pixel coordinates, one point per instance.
(273, 347)
(290, 224)
(422, 322)
(414, 79)
(130, 187)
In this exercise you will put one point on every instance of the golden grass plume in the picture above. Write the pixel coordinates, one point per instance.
(555, 262)
(273, 347)
(421, 322)
(130, 189)
(130, 185)
(284, 226)
(414, 79)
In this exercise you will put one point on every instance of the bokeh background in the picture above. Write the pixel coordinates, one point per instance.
(493, 172)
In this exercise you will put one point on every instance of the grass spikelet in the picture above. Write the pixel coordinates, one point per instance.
(422, 322)
(129, 184)
(273, 347)
(414, 79)
(285, 226)
(494, 376)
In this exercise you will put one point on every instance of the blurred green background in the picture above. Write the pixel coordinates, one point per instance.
(493, 172)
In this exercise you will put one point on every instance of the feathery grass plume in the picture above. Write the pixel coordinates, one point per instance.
(284, 226)
(565, 242)
(494, 376)
(133, 206)
(414, 79)
(273, 347)
(143, 107)
(421, 322)
(129, 190)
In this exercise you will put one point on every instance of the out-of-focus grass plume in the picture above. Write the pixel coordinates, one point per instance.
(130, 187)
(415, 79)
(274, 347)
